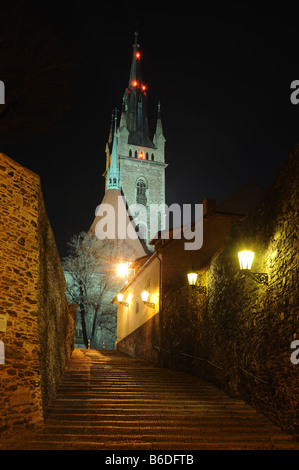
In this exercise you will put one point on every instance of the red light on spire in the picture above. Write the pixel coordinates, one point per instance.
(134, 83)
(143, 87)
(138, 55)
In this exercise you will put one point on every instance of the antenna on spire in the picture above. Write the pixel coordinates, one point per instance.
(136, 36)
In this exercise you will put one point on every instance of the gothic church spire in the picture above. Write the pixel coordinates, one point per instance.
(113, 172)
(135, 101)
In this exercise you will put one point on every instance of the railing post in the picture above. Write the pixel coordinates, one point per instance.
(88, 346)
(103, 344)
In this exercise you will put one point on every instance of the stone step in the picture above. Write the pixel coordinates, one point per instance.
(216, 420)
(156, 446)
(259, 440)
(175, 431)
(150, 407)
(147, 435)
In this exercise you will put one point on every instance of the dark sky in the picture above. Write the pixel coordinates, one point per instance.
(223, 80)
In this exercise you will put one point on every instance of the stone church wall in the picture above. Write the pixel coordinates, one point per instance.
(242, 327)
(36, 323)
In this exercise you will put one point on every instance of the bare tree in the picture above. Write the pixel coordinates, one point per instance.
(92, 280)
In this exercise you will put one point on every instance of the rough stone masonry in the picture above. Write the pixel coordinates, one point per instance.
(36, 323)
(242, 327)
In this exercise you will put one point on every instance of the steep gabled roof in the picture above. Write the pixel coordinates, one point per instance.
(112, 214)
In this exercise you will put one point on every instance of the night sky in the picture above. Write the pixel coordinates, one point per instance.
(223, 80)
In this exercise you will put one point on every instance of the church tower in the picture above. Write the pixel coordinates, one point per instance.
(141, 158)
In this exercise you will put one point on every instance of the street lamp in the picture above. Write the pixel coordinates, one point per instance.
(144, 297)
(120, 298)
(245, 260)
(122, 269)
(192, 280)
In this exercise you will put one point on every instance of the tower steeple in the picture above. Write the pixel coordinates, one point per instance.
(113, 172)
(135, 73)
(109, 144)
(135, 100)
(159, 128)
(136, 162)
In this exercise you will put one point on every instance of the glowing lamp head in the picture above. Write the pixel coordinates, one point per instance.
(120, 297)
(192, 278)
(141, 154)
(138, 55)
(134, 83)
(245, 259)
(143, 87)
(145, 296)
(122, 269)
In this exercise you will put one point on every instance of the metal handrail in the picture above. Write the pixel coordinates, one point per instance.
(221, 368)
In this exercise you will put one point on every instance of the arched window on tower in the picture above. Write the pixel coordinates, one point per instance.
(146, 156)
(136, 154)
(152, 157)
(141, 187)
(130, 153)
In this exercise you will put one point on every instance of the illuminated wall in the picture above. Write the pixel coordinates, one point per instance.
(137, 316)
(242, 327)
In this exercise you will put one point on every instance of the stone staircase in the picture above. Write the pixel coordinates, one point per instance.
(111, 401)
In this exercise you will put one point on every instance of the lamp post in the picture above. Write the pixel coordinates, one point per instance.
(246, 260)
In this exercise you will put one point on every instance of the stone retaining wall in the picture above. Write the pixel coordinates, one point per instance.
(245, 328)
(36, 323)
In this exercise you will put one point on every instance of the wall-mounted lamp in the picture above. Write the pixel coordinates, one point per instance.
(144, 297)
(192, 278)
(245, 260)
(120, 298)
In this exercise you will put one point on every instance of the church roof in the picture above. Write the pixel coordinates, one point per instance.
(112, 219)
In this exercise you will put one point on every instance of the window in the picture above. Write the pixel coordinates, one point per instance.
(152, 157)
(141, 191)
(130, 153)
(146, 155)
(135, 153)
